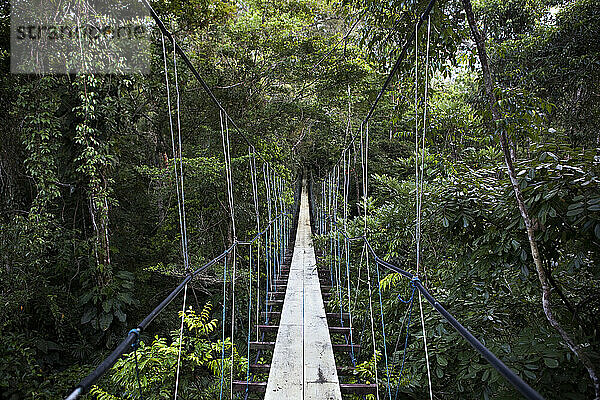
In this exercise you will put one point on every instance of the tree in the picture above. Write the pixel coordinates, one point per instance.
(509, 157)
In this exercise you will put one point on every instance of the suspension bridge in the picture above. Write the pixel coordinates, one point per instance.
(303, 341)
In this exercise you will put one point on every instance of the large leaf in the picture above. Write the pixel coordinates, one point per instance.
(88, 315)
(105, 320)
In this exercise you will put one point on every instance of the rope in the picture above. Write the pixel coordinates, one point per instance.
(277, 248)
(365, 159)
(338, 266)
(228, 175)
(180, 342)
(323, 209)
(229, 178)
(203, 84)
(387, 370)
(347, 255)
(362, 254)
(257, 212)
(135, 357)
(232, 319)
(417, 180)
(223, 333)
(494, 361)
(85, 384)
(269, 282)
(179, 188)
(419, 185)
(419, 21)
(281, 223)
(329, 213)
(410, 304)
(249, 316)
(185, 241)
(426, 350)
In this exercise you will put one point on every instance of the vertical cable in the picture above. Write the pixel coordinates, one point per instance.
(173, 147)
(269, 277)
(178, 108)
(227, 150)
(257, 212)
(347, 254)
(409, 312)
(249, 315)
(387, 369)
(417, 189)
(420, 194)
(234, 261)
(179, 187)
(364, 140)
(223, 333)
(180, 342)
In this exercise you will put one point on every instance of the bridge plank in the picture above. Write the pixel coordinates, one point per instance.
(303, 366)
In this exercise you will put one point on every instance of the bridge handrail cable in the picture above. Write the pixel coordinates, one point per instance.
(515, 380)
(87, 382)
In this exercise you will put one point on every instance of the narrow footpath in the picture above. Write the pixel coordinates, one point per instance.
(303, 365)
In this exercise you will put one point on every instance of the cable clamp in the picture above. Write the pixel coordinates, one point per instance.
(414, 280)
(136, 332)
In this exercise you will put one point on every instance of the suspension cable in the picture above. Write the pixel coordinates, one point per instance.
(249, 315)
(168, 86)
(364, 141)
(419, 181)
(223, 329)
(418, 23)
(179, 183)
(229, 178)
(192, 68)
(387, 369)
(178, 108)
(409, 312)
(180, 342)
(257, 212)
(347, 255)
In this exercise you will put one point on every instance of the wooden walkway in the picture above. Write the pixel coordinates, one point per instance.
(303, 365)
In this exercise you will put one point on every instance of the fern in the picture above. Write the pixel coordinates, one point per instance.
(390, 281)
(100, 394)
(157, 361)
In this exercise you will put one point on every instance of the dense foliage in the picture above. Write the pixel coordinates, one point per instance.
(89, 226)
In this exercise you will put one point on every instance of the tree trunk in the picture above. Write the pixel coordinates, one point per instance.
(508, 158)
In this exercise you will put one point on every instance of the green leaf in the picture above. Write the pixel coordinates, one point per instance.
(551, 362)
(439, 372)
(120, 314)
(105, 320)
(574, 212)
(106, 305)
(523, 255)
(529, 374)
(88, 315)
(576, 205)
(86, 297)
(442, 361)
(485, 375)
